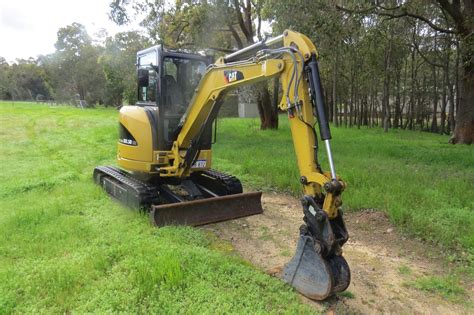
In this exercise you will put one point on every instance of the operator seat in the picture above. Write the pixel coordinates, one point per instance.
(174, 101)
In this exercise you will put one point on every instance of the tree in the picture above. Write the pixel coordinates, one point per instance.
(74, 66)
(331, 33)
(451, 17)
(118, 64)
(23, 80)
(4, 82)
(219, 24)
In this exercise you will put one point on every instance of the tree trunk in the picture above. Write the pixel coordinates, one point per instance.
(348, 99)
(462, 18)
(419, 114)
(357, 117)
(351, 106)
(243, 12)
(365, 118)
(397, 118)
(411, 110)
(464, 130)
(345, 112)
(434, 120)
(334, 91)
(267, 112)
(405, 75)
(386, 91)
(444, 98)
(452, 103)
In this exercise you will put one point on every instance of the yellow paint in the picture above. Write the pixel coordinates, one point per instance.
(136, 121)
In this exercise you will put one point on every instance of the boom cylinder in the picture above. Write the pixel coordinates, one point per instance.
(252, 49)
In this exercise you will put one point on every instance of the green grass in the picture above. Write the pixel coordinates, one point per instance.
(346, 294)
(66, 247)
(404, 270)
(448, 287)
(423, 183)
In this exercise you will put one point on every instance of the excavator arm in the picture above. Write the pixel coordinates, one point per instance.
(295, 65)
(318, 269)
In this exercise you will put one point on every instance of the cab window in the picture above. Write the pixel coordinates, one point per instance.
(148, 93)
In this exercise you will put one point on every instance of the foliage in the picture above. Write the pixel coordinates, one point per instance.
(66, 247)
(118, 63)
(381, 64)
(25, 79)
(80, 69)
(221, 24)
(218, 25)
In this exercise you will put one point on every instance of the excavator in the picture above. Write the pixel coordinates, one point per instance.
(165, 139)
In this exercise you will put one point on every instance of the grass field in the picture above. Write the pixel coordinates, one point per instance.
(65, 246)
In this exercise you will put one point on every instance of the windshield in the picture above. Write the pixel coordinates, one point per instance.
(179, 80)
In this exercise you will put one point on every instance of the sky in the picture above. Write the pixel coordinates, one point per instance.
(28, 28)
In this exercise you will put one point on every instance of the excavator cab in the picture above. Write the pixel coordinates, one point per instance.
(167, 79)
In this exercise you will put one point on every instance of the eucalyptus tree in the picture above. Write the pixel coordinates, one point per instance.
(74, 66)
(445, 17)
(24, 79)
(118, 63)
(222, 25)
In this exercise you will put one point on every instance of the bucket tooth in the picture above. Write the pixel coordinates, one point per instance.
(205, 211)
(314, 276)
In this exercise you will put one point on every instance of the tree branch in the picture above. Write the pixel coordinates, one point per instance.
(236, 36)
(240, 19)
(404, 13)
(248, 20)
(186, 24)
(454, 10)
(258, 10)
(418, 17)
(351, 11)
(426, 58)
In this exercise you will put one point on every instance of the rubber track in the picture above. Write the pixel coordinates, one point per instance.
(230, 183)
(144, 194)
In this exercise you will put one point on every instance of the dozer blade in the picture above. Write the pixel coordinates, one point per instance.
(209, 210)
(314, 276)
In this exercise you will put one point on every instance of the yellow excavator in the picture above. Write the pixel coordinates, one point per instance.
(165, 140)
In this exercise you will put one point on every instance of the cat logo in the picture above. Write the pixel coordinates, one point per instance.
(232, 76)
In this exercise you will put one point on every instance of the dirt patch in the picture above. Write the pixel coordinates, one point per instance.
(382, 260)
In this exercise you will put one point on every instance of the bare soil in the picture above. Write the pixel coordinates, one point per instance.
(382, 260)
